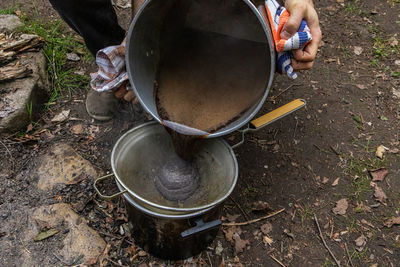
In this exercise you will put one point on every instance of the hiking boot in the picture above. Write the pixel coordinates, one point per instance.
(101, 105)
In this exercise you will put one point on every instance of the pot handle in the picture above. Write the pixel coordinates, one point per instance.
(104, 196)
(201, 226)
(271, 117)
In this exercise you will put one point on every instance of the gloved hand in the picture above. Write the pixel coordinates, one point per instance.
(294, 40)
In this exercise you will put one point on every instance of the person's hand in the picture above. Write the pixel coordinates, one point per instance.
(127, 95)
(299, 10)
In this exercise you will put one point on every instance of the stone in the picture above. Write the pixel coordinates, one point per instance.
(9, 23)
(78, 239)
(62, 165)
(17, 95)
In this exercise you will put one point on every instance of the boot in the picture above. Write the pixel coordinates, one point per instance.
(101, 105)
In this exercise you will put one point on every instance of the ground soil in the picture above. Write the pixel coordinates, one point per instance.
(351, 110)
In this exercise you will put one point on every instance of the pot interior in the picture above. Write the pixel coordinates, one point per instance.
(140, 153)
(204, 45)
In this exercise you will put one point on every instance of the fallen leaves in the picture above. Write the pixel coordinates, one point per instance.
(358, 50)
(45, 234)
(260, 206)
(266, 228)
(380, 150)
(360, 242)
(378, 174)
(232, 234)
(267, 240)
(62, 116)
(77, 129)
(240, 244)
(380, 195)
(336, 182)
(341, 207)
(392, 221)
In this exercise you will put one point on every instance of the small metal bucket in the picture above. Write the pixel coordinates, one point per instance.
(236, 18)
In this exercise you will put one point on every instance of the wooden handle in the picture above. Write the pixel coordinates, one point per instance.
(277, 114)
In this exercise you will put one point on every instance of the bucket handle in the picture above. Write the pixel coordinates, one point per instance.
(104, 196)
(201, 226)
(271, 117)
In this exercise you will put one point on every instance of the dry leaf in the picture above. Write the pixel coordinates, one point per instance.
(391, 222)
(230, 231)
(380, 150)
(46, 234)
(267, 240)
(394, 150)
(380, 195)
(240, 244)
(142, 253)
(260, 206)
(219, 248)
(361, 86)
(73, 57)
(62, 116)
(222, 263)
(341, 207)
(378, 174)
(325, 180)
(77, 129)
(266, 228)
(358, 50)
(393, 41)
(364, 221)
(336, 182)
(363, 207)
(232, 218)
(361, 241)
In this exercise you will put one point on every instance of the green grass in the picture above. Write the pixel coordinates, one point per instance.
(58, 42)
(357, 170)
(8, 11)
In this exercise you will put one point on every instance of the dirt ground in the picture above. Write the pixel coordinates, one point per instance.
(304, 163)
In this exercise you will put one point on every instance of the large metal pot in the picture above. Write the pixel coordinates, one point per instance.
(169, 229)
(156, 18)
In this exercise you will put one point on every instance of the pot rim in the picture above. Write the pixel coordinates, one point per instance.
(161, 215)
(162, 207)
(266, 28)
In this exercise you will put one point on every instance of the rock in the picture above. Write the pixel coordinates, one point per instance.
(80, 241)
(17, 95)
(9, 23)
(61, 164)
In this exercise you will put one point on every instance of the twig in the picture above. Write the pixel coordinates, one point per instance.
(58, 258)
(22, 243)
(290, 86)
(7, 150)
(334, 150)
(209, 259)
(323, 241)
(240, 208)
(278, 261)
(348, 255)
(255, 220)
(116, 263)
(116, 237)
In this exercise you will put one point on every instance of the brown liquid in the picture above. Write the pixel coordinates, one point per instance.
(205, 81)
(209, 79)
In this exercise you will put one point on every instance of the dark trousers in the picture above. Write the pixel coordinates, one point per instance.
(94, 20)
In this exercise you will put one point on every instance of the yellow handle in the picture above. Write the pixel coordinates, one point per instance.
(277, 114)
